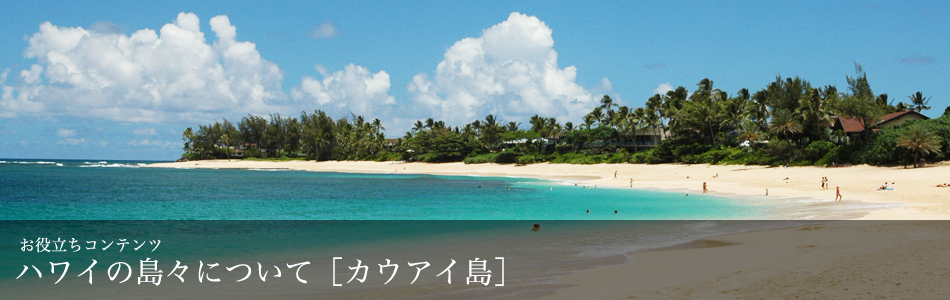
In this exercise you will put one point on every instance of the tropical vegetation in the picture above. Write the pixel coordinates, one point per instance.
(788, 122)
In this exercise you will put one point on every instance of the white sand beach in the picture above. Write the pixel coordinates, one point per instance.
(882, 258)
(915, 189)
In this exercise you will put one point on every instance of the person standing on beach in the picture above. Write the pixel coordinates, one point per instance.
(615, 175)
(631, 182)
(704, 187)
(838, 193)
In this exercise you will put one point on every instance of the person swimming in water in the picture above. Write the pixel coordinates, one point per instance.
(537, 227)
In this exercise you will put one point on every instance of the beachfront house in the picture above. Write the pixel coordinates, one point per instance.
(853, 128)
(647, 138)
(639, 140)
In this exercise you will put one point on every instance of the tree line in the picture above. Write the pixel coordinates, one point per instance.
(786, 122)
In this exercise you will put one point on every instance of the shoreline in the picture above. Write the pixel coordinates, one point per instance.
(883, 257)
(914, 189)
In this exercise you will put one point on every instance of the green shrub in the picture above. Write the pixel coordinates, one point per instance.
(526, 159)
(621, 156)
(389, 156)
(645, 157)
(818, 153)
(480, 159)
(498, 158)
(581, 158)
(881, 148)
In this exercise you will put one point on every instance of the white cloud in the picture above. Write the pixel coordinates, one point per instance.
(605, 85)
(72, 141)
(144, 131)
(147, 76)
(107, 27)
(17, 99)
(663, 88)
(323, 31)
(32, 75)
(152, 143)
(353, 89)
(510, 71)
(66, 132)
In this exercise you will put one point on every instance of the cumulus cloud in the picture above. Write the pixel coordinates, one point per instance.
(663, 88)
(510, 70)
(917, 60)
(354, 89)
(149, 76)
(107, 27)
(323, 31)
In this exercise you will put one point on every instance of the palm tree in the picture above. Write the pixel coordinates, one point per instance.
(784, 123)
(490, 131)
(552, 128)
(597, 115)
(513, 126)
(224, 139)
(650, 118)
(759, 108)
(589, 120)
(607, 103)
(188, 138)
(418, 126)
(919, 139)
(813, 110)
(919, 101)
(750, 132)
(734, 112)
(537, 124)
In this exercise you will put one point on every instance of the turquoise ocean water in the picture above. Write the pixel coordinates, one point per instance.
(371, 217)
(124, 190)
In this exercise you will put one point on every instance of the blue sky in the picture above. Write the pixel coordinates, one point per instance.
(95, 83)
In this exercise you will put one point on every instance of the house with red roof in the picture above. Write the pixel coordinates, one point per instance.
(853, 127)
